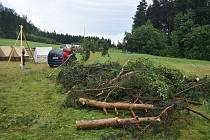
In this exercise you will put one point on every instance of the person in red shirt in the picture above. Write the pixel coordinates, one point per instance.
(66, 54)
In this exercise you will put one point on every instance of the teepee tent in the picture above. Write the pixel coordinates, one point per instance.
(41, 54)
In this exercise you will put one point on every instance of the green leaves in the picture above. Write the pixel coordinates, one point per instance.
(190, 41)
(157, 81)
(94, 45)
(146, 39)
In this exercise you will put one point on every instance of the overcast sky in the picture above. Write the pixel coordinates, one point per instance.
(108, 18)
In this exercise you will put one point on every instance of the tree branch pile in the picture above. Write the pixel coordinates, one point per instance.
(137, 85)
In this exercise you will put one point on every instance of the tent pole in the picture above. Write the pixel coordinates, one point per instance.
(29, 48)
(21, 44)
(10, 55)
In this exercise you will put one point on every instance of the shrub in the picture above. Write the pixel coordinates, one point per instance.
(146, 39)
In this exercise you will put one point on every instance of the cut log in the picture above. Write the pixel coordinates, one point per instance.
(114, 106)
(113, 122)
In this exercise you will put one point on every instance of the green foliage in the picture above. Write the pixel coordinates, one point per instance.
(154, 80)
(198, 43)
(146, 39)
(94, 45)
(176, 18)
(71, 75)
(200, 8)
(161, 14)
(140, 16)
(141, 82)
(183, 26)
(190, 41)
(146, 79)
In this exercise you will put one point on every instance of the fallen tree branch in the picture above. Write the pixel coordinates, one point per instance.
(116, 78)
(113, 122)
(108, 94)
(127, 74)
(189, 101)
(199, 113)
(193, 102)
(144, 130)
(119, 75)
(119, 105)
(165, 110)
(177, 94)
(100, 89)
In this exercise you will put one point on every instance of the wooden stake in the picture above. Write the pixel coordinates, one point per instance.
(29, 48)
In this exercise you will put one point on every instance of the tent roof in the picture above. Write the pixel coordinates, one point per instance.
(18, 52)
(5, 51)
(42, 50)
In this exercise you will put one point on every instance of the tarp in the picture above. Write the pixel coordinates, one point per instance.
(41, 54)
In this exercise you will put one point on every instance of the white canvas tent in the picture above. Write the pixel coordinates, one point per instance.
(5, 52)
(41, 54)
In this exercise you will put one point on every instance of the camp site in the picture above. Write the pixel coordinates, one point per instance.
(105, 70)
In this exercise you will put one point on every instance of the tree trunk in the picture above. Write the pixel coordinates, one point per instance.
(113, 122)
(119, 105)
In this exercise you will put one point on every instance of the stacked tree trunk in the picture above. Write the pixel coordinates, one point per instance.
(115, 122)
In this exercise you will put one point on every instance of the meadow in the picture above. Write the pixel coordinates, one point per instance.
(187, 66)
(11, 42)
(31, 104)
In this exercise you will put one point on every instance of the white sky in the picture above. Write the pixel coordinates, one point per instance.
(108, 18)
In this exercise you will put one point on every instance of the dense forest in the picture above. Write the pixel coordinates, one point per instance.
(178, 28)
(9, 28)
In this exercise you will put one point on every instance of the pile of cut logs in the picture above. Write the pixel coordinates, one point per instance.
(117, 122)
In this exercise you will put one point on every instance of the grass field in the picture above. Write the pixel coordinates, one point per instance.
(11, 42)
(187, 66)
(31, 105)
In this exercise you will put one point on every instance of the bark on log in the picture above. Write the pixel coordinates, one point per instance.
(119, 105)
(113, 122)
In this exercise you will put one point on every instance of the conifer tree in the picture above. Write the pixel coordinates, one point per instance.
(140, 16)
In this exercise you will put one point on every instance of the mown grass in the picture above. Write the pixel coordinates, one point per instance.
(31, 107)
(187, 66)
(11, 42)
